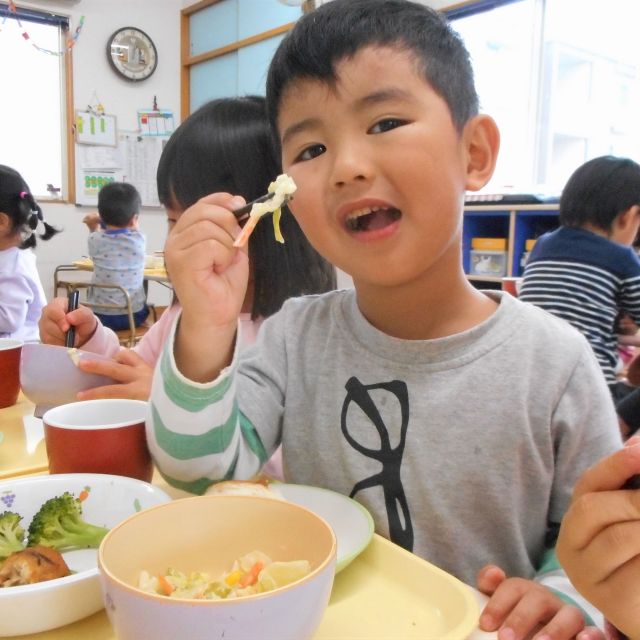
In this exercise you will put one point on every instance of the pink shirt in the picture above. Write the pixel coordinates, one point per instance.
(105, 341)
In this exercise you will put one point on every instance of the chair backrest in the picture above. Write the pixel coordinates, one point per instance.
(127, 337)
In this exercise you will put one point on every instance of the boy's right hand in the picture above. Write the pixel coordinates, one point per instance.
(55, 322)
(210, 277)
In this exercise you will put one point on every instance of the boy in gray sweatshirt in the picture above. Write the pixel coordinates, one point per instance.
(461, 419)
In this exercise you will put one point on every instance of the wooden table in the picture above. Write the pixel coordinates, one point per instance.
(155, 274)
(22, 448)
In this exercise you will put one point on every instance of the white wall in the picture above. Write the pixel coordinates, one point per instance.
(160, 19)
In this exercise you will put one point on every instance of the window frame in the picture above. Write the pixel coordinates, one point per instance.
(67, 159)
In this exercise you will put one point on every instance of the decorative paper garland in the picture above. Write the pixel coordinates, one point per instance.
(71, 40)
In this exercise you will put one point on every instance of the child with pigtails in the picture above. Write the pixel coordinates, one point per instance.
(21, 294)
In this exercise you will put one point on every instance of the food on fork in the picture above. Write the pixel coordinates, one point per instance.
(282, 188)
(31, 565)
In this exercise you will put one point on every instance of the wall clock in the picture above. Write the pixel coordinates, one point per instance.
(132, 54)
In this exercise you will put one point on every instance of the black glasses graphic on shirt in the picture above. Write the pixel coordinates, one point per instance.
(400, 527)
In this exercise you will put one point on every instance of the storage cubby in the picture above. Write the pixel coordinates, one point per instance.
(515, 223)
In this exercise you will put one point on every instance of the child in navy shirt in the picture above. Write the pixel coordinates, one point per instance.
(587, 271)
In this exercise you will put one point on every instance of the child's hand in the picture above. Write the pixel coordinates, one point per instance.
(55, 322)
(599, 541)
(127, 368)
(210, 278)
(92, 220)
(520, 609)
(208, 273)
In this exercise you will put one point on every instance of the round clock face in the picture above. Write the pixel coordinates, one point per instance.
(132, 54)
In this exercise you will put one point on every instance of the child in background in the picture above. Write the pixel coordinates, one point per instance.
(599, 541)
(461, 419)
(117, 250)
(21, 294)
(225, 145)
(587, 271)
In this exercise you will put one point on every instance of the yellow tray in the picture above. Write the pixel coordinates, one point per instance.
(385, 593)
(388, 592)
(22, 448)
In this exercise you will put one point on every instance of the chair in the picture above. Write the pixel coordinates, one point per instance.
(127, 337)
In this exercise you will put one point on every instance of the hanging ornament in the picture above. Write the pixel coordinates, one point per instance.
(70, 41)
(95, 107)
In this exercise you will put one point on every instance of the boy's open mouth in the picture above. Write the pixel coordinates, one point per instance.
(371, 218)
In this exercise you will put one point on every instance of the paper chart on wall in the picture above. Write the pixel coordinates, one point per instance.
(141, 157)
(134, 159)
(95, 129)
(155, 122)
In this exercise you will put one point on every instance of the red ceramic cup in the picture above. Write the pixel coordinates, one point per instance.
(98, 436)
(9, 371)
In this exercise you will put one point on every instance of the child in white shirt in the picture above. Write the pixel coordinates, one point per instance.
(21, 294)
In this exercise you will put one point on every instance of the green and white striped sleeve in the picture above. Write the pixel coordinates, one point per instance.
(195, 432)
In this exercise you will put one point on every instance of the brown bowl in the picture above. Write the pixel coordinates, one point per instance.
(99, 436)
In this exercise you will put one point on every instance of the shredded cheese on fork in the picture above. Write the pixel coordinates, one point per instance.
(282, 188)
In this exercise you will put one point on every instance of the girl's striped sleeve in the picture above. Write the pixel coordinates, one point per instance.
(195, 432)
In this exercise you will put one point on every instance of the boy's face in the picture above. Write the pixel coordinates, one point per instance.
(380, 168)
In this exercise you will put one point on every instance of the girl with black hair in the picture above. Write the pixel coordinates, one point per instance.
(226, 145)
(21, 294)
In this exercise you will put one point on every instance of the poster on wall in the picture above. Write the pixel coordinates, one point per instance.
(91, 128)
(141, 157)
(93, 180)
(134, 159)
(155, 122)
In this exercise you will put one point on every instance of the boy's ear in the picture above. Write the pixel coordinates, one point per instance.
(482, 141)
(627, 218)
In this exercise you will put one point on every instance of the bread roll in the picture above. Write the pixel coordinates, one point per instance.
(244, 488)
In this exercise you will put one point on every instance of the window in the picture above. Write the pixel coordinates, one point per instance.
(562, 80)
(231, 43)
(33, 105)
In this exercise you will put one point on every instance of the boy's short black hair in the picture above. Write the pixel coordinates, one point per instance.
(118, 203)
(599, 191)
(339, 29)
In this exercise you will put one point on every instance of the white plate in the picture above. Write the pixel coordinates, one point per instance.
(47, 605)
(350, 521)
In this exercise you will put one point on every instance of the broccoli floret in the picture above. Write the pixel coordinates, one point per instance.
(59, 524)
(11, 534)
